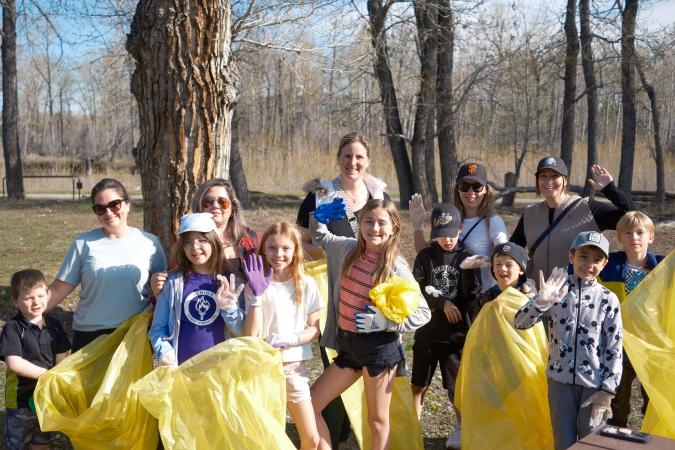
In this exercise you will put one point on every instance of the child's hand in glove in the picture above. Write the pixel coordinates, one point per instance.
(370, 321)
(417, 213)
(600, 407)
(228, 293)
(255, 272)
(432, 291)
(283, 341)
(552, 290)
(334, 210)
(475, 262)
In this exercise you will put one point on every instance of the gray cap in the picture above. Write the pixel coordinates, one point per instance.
(591, 238)
(513, 250)
(445, 221)
(201, 222)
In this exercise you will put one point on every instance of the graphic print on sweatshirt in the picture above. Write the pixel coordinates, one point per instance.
(446, 279)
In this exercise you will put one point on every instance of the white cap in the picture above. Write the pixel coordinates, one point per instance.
(202, 222)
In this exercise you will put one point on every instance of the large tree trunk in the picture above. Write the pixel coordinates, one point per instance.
(237, 175)
(571, 54)
(10, 103)
(628, 95)
(591, 90)
(185, 83)
(377, 14)
(445, 122)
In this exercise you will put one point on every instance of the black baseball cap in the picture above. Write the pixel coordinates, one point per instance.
(515, 251)
(472, 172)
(446, 221)
(554, 163)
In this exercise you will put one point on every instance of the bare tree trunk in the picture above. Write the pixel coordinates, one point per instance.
(10, 103)
(628, 95)
(430, 156)
(237, 174)
(445, 122)
(377, 14)
(591, 90)
(658, 149)
(185, 83)
(571, 54)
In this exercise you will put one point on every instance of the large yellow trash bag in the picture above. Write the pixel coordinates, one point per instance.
(88, 395)
(501, 389)
(232, 396)
(648, 316)
(318, 270)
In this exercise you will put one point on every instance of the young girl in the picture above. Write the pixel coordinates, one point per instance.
(367, 343)
(194, 311)
(288, 319)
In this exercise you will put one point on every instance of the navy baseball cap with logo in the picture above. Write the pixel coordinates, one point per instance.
(554, 163)
(445, 221)
(593, 239)
(472, 172)
(515, 251)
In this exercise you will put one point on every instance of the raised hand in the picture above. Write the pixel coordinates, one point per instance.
(601, 177)
(335, 210)
(475, 262)
(552, 290)
(255, 272)
(417, 212)
(283, 341)
(529, 288)
(157, 281)
(371, 320)
(228, 293)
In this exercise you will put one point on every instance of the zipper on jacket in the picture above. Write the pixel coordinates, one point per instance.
(576, 332)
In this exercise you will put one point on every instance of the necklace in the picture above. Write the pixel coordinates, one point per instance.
(353, 199)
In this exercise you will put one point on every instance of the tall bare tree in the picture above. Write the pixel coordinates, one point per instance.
(10, 103)
(571, 56)
(629, 15)
(591, 89)
(185, 83)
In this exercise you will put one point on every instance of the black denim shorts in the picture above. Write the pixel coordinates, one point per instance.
(22, 428)
(377, 352)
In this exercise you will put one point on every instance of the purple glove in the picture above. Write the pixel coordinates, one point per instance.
(254, 271)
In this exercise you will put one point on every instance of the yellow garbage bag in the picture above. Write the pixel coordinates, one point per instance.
(501, 389)
(405, 429)
(396, 298)
(88, 395)
(231, 396)
(648, 316)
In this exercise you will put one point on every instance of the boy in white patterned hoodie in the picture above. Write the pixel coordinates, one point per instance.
(585, 340)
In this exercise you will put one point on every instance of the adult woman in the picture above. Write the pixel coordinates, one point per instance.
(482, 228)
(548, 227)
(112, 264)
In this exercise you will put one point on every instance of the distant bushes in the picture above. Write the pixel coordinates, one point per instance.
(68, 166)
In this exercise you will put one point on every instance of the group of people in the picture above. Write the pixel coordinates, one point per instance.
(225, 281)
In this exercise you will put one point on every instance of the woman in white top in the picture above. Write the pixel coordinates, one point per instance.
(482, 228)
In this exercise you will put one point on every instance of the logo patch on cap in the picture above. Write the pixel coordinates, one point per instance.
(594, 237)
(442, 219)
(472, 169)
(550, 161)
(506, 247)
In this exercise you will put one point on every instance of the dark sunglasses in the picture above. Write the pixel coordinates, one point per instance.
(113, 206)
(208, 201)
(465, 187)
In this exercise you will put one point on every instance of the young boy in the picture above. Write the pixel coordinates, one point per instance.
(624, 271)
(30, 344)
(585, 339)
(450, 292)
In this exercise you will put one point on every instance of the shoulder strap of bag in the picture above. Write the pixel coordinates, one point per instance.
(471, 229)
(550, 228)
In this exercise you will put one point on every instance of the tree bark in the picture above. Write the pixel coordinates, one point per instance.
(571, 55)
(445, 122)
(377, 15)
(628, 95)
(185, 83)
(591, 91)
(237, 174)
(10, 104)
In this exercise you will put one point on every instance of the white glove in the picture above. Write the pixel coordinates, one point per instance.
(283, 341)
(228, 293)
(417, 213)
(475, 262)
(373, 320)
(552, 290)
(432, 291)
(529, 288)
(167, 359)
(601, 411)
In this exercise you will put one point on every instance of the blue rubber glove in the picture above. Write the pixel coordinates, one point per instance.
(334, 210)
(371, 320)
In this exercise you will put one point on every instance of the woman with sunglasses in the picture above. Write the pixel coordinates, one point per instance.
(482, 229)
(112, 264)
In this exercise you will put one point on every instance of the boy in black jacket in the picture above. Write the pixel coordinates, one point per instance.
(451, 294)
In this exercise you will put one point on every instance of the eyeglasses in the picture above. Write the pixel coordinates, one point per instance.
(208, 201)
(114, 206)
(465, 187)
(201, 242)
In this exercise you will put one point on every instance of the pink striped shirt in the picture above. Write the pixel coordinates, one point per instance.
(356, 282)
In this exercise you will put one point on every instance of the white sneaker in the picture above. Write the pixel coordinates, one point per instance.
(455, 439)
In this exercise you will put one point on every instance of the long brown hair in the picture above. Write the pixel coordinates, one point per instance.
(389, 252)
(236, 225)
(485, 209)
(215, 263)
(297, 266)
(351, 138)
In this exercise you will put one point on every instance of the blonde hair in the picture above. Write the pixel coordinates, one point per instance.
(297, 266)
(215, 263)
(389, 253)
(634, 219)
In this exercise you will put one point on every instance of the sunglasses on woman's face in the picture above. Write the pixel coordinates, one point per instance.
(114, 206)
(465, 187)
(208, 201)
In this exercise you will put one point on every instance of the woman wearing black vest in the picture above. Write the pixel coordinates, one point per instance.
(548, 244)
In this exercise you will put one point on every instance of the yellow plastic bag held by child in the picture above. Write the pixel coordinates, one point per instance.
(648, 316)
(88, 396)
(396, 298)
(318, 270)
(501, 388)
(231, 396)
